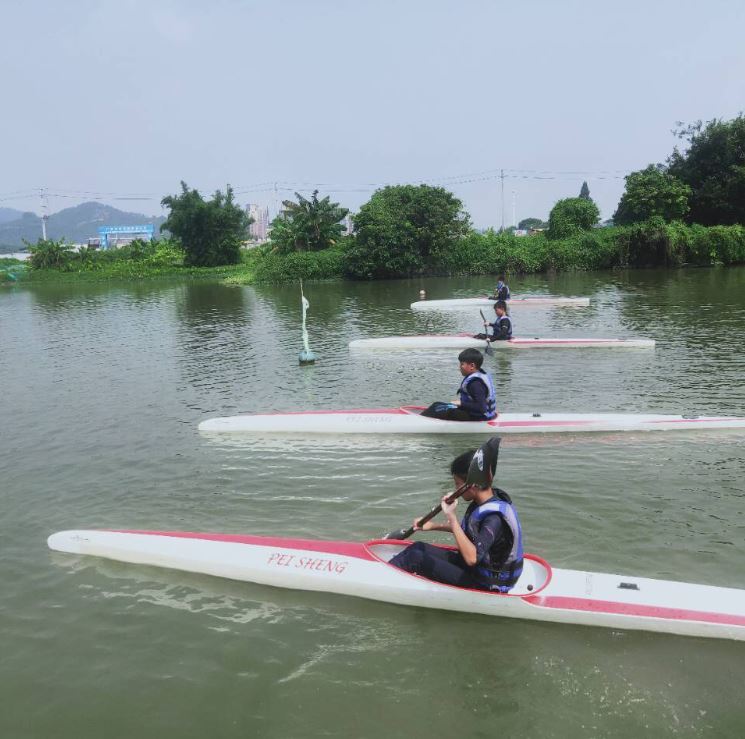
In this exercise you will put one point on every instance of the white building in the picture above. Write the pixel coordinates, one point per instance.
(259, 229)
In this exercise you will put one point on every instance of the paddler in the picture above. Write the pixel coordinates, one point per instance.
(489, 553)
(501, 327)
(477, 399)
(501, 291)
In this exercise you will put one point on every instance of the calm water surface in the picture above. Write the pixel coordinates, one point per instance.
(103, 387)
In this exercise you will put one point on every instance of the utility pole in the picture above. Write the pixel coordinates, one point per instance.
(44, 216)
(501, 177)
(514, 217)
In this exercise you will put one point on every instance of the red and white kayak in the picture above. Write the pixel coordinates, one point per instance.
(407, 420)
(545, 301)
(466, 341)
(363, 570)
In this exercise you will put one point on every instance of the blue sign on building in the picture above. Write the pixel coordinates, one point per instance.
(146, 233)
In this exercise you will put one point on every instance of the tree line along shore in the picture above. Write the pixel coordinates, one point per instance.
(688, 211)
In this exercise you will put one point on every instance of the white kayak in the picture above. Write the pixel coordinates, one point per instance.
(465, 341)
(407, 420)
(535, 302)
(362, 570)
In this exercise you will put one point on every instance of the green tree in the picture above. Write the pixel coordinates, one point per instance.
(209, 231)
(714, 168)
(528, 223)
(404, 230)
(652, 192)
(50, 254)
(308, 225)
(571, 216)
(584, 192)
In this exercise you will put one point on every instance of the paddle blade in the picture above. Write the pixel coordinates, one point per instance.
(400, 534)
(484, 463)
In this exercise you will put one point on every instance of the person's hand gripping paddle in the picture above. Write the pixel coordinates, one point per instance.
(480, 474)
(487, 349)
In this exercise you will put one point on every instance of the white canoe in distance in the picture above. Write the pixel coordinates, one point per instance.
(465, 341)
(546, 301)
(407, 420)
(362, 569)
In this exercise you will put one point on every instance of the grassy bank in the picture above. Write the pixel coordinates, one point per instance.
(651, 244)
(123, 265)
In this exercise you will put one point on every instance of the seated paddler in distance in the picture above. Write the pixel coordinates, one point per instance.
(477, 398)
(502, 290)
(488, 539)
(501, 327)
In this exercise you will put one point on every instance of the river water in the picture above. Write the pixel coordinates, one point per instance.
(103, 388)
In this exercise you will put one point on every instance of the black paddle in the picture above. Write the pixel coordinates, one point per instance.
(480, 474)
(487, 349)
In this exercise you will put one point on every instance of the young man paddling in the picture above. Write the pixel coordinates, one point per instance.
(501, 327)
(477, 399)
(489, 554)
(501, 291)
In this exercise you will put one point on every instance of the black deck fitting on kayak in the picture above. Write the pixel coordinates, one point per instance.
(536, 415)
(691, 417)
(628, 586)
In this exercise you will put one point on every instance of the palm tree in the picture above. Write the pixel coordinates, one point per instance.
(308, 225)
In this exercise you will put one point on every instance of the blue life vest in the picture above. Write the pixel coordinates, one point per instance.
(491, 400)
(499, 575)
(497, 326)
(502, 292)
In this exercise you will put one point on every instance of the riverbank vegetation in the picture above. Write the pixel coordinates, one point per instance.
(688, 211)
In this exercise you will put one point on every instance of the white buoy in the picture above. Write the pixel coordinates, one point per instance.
(422, 295)
(306, 356)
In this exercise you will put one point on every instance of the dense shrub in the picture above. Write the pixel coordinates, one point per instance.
(210, 231)
(405, 230)
(571, 216)
(714, 168)
(309, 265)
(652, 192)
(50, 254)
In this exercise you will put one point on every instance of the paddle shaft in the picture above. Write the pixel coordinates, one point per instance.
(487, 348)
(406, 533)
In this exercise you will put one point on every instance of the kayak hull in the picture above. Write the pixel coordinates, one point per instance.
(466, 341)
(407, 420)
(466, 303)
(362, 570)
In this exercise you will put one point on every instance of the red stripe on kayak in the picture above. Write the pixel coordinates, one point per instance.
(366, 411)
(589, 342)
(628, 609)
(697, 420)
(343, 548)
(497, 423)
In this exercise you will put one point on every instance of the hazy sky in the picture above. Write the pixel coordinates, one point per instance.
(108, 99)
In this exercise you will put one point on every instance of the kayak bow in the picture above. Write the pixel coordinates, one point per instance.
(407, 420)
(362, 570)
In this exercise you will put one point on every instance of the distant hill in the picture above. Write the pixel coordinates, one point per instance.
(9, 214)
(75, 225)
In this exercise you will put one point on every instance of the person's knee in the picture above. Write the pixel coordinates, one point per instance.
(412, 557)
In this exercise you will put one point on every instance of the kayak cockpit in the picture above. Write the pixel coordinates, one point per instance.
(536, 571)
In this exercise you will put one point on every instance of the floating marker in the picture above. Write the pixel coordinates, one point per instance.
(306, 356)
